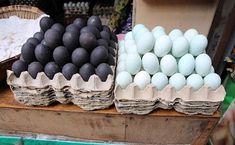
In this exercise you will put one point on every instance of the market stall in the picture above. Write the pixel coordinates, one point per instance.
(152, 85)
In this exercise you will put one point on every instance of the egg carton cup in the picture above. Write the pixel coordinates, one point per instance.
(133, 100)
(90, 95)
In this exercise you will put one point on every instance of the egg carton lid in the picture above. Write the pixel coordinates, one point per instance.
(169, 94)
(59, 81)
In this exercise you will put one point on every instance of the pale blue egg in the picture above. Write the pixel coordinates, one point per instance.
(212, 80)
(175, 33)
(203, 64)
(195, 81)
(142, 79)
(198, 45)
(133, 63)
(180, 47)
(150, 63)
(186, 64)
(190, 33)
(162, 46)
(146, 43)
(123, 79)
(168, 65)
(177, 81)
(159, 80)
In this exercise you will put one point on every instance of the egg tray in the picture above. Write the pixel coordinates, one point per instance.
(133, 100)
(90, 95)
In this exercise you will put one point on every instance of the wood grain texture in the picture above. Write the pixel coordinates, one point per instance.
(159, 127)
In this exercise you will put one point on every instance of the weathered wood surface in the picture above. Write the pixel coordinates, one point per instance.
(159, 127)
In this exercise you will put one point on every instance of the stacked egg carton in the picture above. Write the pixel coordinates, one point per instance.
(66, 64)
(104, 11)
(169, 71)
(90, 95)
(75, 9)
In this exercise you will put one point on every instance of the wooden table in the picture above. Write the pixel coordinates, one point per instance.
(159, 127)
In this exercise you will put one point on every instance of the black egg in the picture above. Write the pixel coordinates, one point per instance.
(86, 71)
(112, 44)
(69, 70)
(95, 21)
(114, 37)
(111, 60)
(27, 52)
(33, 41)
(59, 27)
(105, 35)
(99, 55)
(111, 51)
(61, 55)
(52, 38)
(102, 42)
(103, 70)
(18, 67)
(43, 53)
(73, 28)
(34, 68)
(107, 29)
(91, 29)
(80, 56)
(39, 36)
(51, 68)
(88, 41)
(44, 42)
(70, 40)
(79, 22)
(46, 23)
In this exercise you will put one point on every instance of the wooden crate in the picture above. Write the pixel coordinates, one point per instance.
(159, 127)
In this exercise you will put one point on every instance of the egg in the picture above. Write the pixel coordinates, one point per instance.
(139, 34)
(212, 80)
(198, 44)
(128, 44)
(121, 43)
(162, 46)
(186, 64)
(168, 65)
(132, 49)
(142, 79)
(133, 63)
(177, 81)
(121, 66)
(212, 69)
(136, 28)
(122, 57)
(190, 33)
(123, 79)
(158, 34)
(203, 64)
(159, 80)
(129, 36)
(146, 43)
(180, 47)
(158, 28)
(150, 63)
(195, 81)
(175, 33)
(121, 50)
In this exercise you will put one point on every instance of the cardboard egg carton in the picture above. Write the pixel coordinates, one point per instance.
(133, 100)
(90, 95)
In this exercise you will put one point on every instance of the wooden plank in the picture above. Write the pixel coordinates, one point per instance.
(159, 127)
(182, 14)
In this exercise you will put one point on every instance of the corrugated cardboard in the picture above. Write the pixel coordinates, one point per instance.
(170, 14)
